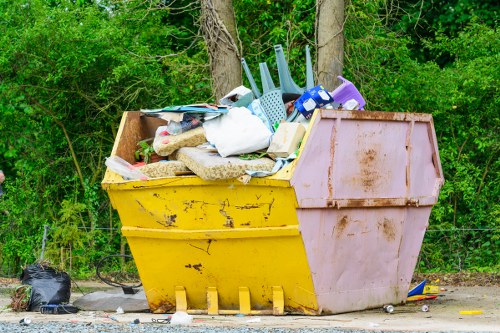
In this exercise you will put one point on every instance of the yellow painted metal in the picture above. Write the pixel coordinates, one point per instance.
(245, 307)
(180, 299)
(212, 237)
(213, 301)
(215, 234)
(278, 301)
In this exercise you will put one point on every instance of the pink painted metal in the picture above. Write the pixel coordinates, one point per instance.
(365, 184)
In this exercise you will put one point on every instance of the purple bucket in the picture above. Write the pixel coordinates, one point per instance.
(347, 91)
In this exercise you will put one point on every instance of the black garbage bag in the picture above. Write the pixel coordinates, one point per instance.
(48, 285)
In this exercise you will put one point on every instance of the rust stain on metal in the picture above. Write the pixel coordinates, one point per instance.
(168, 221)
(342, 224)
(413, 202)
(376, 115)
(161, 307)
(229, 222)
(171, 219)
(248, 206)
(388, 231)
(301, 309)
(191, 204)
(330, 166)
(270, 207)
(379, 202)
(369, 174)
(197, 267)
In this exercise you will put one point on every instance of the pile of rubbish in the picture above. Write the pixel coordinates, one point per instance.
(248, 134)
(43, 289)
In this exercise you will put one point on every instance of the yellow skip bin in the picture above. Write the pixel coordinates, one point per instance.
(337, 230)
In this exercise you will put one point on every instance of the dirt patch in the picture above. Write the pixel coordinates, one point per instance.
(460, 279)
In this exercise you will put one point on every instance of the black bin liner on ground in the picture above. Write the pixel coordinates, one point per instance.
(48, 285)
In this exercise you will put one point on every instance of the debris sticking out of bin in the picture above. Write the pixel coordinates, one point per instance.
(357, 200)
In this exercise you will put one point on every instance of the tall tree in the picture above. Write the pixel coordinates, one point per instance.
(219, 30)
(330, 41)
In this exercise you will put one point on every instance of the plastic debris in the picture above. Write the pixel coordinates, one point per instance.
(119, 310)
(470, 312)
(388, 308)
(181, 318)
(25, 321)
(254, 320)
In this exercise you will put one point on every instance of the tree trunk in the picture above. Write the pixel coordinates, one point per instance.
(330, 41)
(219, 30)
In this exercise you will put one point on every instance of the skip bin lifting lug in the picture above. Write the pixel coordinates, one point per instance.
(244, 297)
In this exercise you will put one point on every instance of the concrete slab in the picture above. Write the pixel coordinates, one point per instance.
(109, 301)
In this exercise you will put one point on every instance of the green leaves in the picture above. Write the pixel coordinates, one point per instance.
(68, 69)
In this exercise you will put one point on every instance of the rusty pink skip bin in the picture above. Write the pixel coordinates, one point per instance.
(365, 184)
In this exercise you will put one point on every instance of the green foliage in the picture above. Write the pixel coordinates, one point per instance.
(68, 69)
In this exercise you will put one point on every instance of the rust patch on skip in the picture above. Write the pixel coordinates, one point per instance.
(161, 307)
(369, 174)
(249, 206)
(198, 267)
(388, 231)
(301, 309)
(169, 220)
(341, 225)
(229, 222)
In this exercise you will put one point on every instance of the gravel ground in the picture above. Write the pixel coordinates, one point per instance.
(51, 327)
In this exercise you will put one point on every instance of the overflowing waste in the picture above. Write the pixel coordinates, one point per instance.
(247, 134)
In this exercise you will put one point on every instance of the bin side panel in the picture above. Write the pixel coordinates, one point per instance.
(314, 167)
(424, 173)
(417, 220)
(370, 159)
(353, 158)
(223, 235)
(227, 264)
(205, 207)
(361, 258)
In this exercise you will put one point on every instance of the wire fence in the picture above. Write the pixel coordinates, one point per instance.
(454, 236)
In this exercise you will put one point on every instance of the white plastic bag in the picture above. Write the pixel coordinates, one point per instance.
(237, 132)
(124, 168)
(181, 318)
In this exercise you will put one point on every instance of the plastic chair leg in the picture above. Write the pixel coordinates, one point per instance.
(287, 85)
(255, 89)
